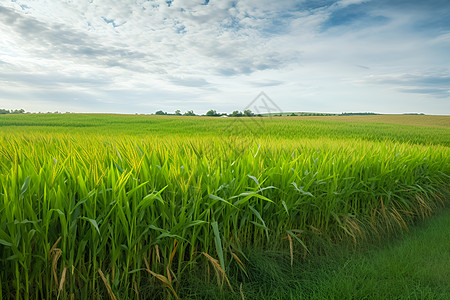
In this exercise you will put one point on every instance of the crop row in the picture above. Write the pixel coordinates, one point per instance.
(82, 216)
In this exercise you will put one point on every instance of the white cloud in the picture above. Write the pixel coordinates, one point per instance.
(345, 3)
(122, 50)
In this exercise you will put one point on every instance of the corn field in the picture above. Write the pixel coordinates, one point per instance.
(111, 210)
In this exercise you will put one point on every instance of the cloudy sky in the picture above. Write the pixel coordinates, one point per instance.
(137, 56)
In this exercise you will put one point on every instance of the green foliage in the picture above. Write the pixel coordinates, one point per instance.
(248, 113)
(423, 132)
(189, 113)
(212, 113)
(160, 113)
(359, 114)
(236, 113)
(14, 112)
(414, 265)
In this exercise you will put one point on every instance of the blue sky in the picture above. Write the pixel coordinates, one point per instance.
(139, 56)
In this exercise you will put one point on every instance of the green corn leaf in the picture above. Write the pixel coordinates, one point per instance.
(214, 197)
(94, 223)
(291, 233)
(3, 242)
(218, 242)
(25, 186)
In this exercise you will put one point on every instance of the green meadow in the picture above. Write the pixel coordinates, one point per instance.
(142, 207)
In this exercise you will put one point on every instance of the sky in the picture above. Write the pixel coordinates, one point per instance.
(140, 56)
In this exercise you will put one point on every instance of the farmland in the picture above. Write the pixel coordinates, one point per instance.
(96, 206)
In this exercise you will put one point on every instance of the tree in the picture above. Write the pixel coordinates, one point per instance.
(236, 113)
(189, 113)
(160, 113)
(16, 111)
(212, 113)
(248, 113)
(178, 112)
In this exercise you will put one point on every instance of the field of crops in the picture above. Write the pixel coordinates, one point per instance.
(97, 206)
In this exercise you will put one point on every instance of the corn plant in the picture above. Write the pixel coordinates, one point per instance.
(90, 215)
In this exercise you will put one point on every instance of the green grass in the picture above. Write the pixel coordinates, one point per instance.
(416, 266)
(409, 129)
(413, 265)
(104, 205)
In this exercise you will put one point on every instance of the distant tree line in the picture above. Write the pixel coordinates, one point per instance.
(307, 114)
(358, 114)
(211, 113)
(249, 113)
(302, 114)
(177, 113)
(6, 111)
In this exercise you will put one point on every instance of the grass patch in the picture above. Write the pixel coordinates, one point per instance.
(413, 265)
